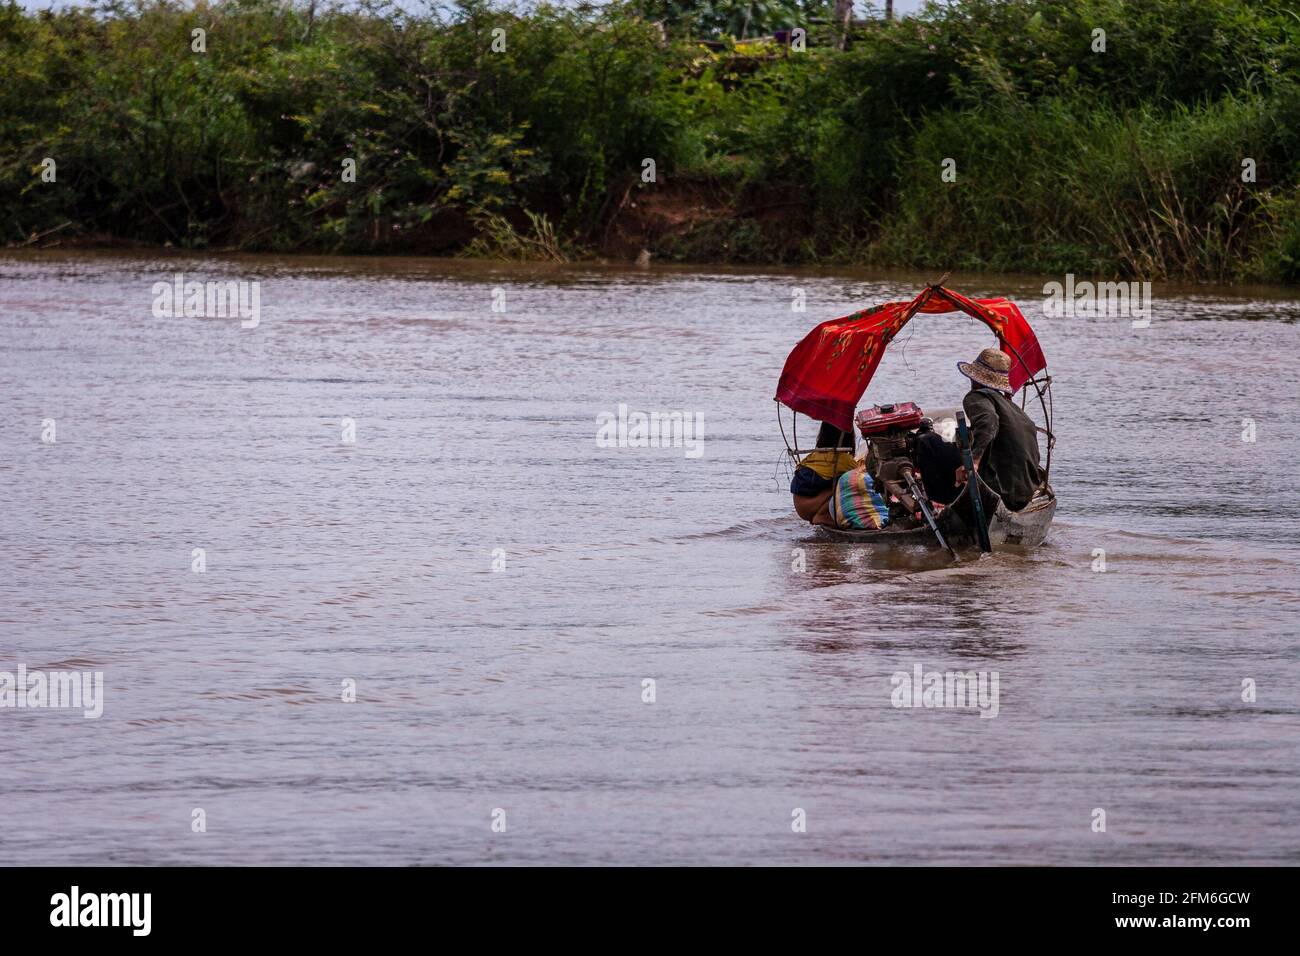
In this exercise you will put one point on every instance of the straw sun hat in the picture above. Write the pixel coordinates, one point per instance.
(992, 368)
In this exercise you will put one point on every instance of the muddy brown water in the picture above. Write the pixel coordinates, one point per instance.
(523, 689)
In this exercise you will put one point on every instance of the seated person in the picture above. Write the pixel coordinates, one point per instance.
(937, 461)
(814, 477)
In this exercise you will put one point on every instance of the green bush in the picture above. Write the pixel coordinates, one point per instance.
(1125, 161)
(1088, 188)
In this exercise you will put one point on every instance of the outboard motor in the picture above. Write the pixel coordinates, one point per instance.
(888, 432)
(879, 419)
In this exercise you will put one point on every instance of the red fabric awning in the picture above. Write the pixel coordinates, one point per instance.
(829, 370)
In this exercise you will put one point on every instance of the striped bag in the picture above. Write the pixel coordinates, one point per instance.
(856, 505)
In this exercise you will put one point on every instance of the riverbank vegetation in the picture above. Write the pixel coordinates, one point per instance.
(980, 135)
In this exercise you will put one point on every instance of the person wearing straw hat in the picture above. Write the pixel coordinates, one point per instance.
(1004, 440)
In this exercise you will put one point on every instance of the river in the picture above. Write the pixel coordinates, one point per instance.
(568, 653)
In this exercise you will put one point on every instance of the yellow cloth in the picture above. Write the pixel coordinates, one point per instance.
(824, 462)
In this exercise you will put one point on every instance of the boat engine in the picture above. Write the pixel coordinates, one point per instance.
(879, 419)
(887, 430)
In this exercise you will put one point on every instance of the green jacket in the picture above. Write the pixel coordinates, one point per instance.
(1006, 440)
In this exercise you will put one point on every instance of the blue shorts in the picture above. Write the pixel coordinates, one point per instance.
(806, 483)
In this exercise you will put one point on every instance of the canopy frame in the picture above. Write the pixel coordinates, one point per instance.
(1041, 381)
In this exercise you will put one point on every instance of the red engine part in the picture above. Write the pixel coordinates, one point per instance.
(879, 419)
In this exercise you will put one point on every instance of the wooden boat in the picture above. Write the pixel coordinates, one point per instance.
(829, 370)
(1026, 528)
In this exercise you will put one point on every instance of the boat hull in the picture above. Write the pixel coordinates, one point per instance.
(1026, 528)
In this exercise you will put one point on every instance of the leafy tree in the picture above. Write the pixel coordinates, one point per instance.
(740, 19)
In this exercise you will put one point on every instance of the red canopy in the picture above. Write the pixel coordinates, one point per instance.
(829, 370)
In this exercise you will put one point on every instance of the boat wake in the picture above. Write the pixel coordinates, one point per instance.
(785, 526)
